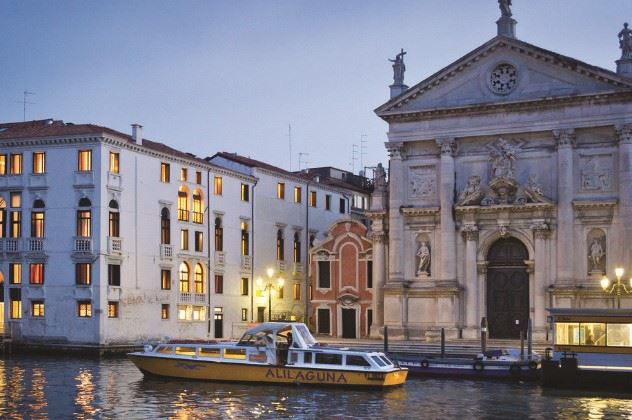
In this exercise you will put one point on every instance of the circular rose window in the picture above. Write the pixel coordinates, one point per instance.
(503, 79)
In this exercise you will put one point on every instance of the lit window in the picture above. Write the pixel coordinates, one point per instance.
(113, 310)
(114, 162)
(244, 314)
(84, 223)
(84, 162)
(312, 198)
(114, 220)
(198, 279)
(183, 206)
(3, 164)
(16, 163)
(245, 239)
(15, 294)
(37, 308)
(165, 279)
(219, 284)
(280, 292)
(36, 273)
(218, 185)
(184, 239)
(16, 224)
(114, 275)
(39, 162)
(182, 312)
(244, 286)
(83, 273)
(280, 244)
(328, 202)
(245, 192)
(198, 215)
(183, 174)
(16, 200)
(198, 313)
(15, 273)
(84, 309)
(281, 191)
(199, 241)
(165, 172)
(198, 177)
(298, 195)
(37, 224)
(164, 311)
(184, 278)
(297, 291)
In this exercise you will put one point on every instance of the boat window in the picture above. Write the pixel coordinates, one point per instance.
(235, 353)
(187, 351)
(165, 349)
(209, 352)
(386, 360)
(328, 358)
(307, 337)
(307, 357)
(293, 357)
(357, 361)
(377, 360)
(592, 333)
(619, 335)
(567, 333)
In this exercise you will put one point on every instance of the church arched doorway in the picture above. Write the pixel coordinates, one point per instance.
(507, 289)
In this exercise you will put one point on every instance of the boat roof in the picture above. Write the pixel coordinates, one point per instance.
(269, 326)
(589, 312)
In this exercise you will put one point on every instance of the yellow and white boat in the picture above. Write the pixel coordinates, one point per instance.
(271, 352)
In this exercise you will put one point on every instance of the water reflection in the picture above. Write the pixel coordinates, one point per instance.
(49, 387)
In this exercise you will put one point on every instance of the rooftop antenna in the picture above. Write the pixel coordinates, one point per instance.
(289, 135)
(300, 159)
(363, 143)
(354, 152)
(24, 102)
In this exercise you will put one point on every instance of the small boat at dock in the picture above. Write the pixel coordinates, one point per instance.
(271, 352)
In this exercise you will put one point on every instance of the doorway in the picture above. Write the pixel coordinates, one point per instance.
(507, 289)
(219, 325)
(348, 323)
(261, 313)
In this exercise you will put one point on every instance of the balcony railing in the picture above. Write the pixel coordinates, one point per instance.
(83, 244)
(246, 262)
(35, 245)
(198, 217)
(220, 258)
(281, 266)
(10, 245)
(192, 298)
(298, 268)
(183, 215)
(166, 251)
(115, 245)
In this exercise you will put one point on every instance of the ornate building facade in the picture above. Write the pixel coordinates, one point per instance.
(510, 190)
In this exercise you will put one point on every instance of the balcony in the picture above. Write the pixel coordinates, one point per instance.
(35, 245)
(197, 217)
(281, 266)
(115, 245)
(84, 179)
(114, 181)
(166, 251)
(220, 258)
(11, 245)
(298, 268)
(246, 262)
(83, 245)
(183, 215)
(192, 298)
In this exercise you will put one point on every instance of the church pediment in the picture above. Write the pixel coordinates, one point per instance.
(505, 70)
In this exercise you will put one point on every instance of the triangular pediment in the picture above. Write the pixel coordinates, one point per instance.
(505, 70)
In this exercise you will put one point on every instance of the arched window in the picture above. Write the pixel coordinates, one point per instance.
(114, 221)
(184, 275)
(219, 234)
(84, 218)
(37, 219)
(165, 227)
(183, 205)
(245, 239)
(198, 279)
(280, 246)
(297, 247)
(198, 212)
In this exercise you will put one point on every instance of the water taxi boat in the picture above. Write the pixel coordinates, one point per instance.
(510, 364)
(271, 352)
(592, 349)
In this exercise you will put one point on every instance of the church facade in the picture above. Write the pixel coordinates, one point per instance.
(509, 192)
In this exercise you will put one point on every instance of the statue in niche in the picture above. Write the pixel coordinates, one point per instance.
(505, 8)
(424, 259)
(472, 194)
(596, 255)
(503, 160)
(625, 41)
(379, 178)
(398, 68)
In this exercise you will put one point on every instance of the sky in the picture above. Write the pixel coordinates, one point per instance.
(233, 75)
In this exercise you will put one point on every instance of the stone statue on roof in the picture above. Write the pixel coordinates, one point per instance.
(505, 8)
(398, 68)
(625, 41)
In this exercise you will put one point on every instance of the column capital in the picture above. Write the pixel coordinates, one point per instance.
(624, 133)
(470, 232)
(379, 237)
(481, 267)
(447, 145)
(541, 230)
(396, 150)
(564, 137)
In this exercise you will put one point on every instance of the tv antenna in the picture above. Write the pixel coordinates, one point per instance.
(25, 102)
(300, 159)
(354, 157)
(363, 143)
(289, 135)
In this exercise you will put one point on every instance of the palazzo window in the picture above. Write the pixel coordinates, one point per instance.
(198, 279)
(245, 239)
(113, 310)
(184, 278)
(342, 206)
(219, 234)
(369, 274)
(114, 275)
(183, 206)
(114, 162)
(39, 162)
(15, 215)
(219, 284)
(114, 221)
(324, 279)
(15, 296)
(37, 219)
(165, 279)
(312, 198)
(297, 248)
(198, 177)
(183, 174)
(281, 191)
(244, 286)
(165, 175)
(184, 239)
(165, 227)
(199, 241)
(297, 291)
(84, 309)
(36, 273)
(83, 274)
(15, 273)
(280, 245)
(3, 164)
(84, 218)
(37, 308)
(164, 311)
(298, 194)
(16, 164)
(84, 161)
(198, 215)
(328, 202)
(245, 192)
(218, 185)
(3, 218)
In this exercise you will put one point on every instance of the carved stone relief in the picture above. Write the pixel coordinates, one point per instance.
(596, 173)
(422, 183)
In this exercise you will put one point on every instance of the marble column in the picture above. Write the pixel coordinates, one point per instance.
(395, 218)
(379, 270)
(624, 135)
(565, 140)
(541, 232)
(446, 200)
(472, 311)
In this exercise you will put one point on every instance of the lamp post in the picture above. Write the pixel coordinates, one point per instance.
(618, 288)
(270, 286)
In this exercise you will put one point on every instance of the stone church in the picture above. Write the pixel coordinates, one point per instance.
(509, 191)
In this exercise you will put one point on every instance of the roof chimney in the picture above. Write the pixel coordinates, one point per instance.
(137, 133)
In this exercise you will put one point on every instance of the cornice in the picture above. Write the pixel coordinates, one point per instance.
(420, 211)
(514, 208)
(590, 204)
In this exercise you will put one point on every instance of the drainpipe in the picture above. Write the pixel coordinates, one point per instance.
(252, 252)
(306, 265)
(208, 247)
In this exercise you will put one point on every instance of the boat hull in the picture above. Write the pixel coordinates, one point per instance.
(471, 369)
(569, 375)
(242, 372)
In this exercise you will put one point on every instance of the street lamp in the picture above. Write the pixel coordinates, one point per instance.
(617, 288)
(270, 286)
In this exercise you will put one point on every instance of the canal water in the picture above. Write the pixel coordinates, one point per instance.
(84, 388)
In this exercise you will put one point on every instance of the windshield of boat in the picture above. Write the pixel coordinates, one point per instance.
(261, 338)
(307, 337)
